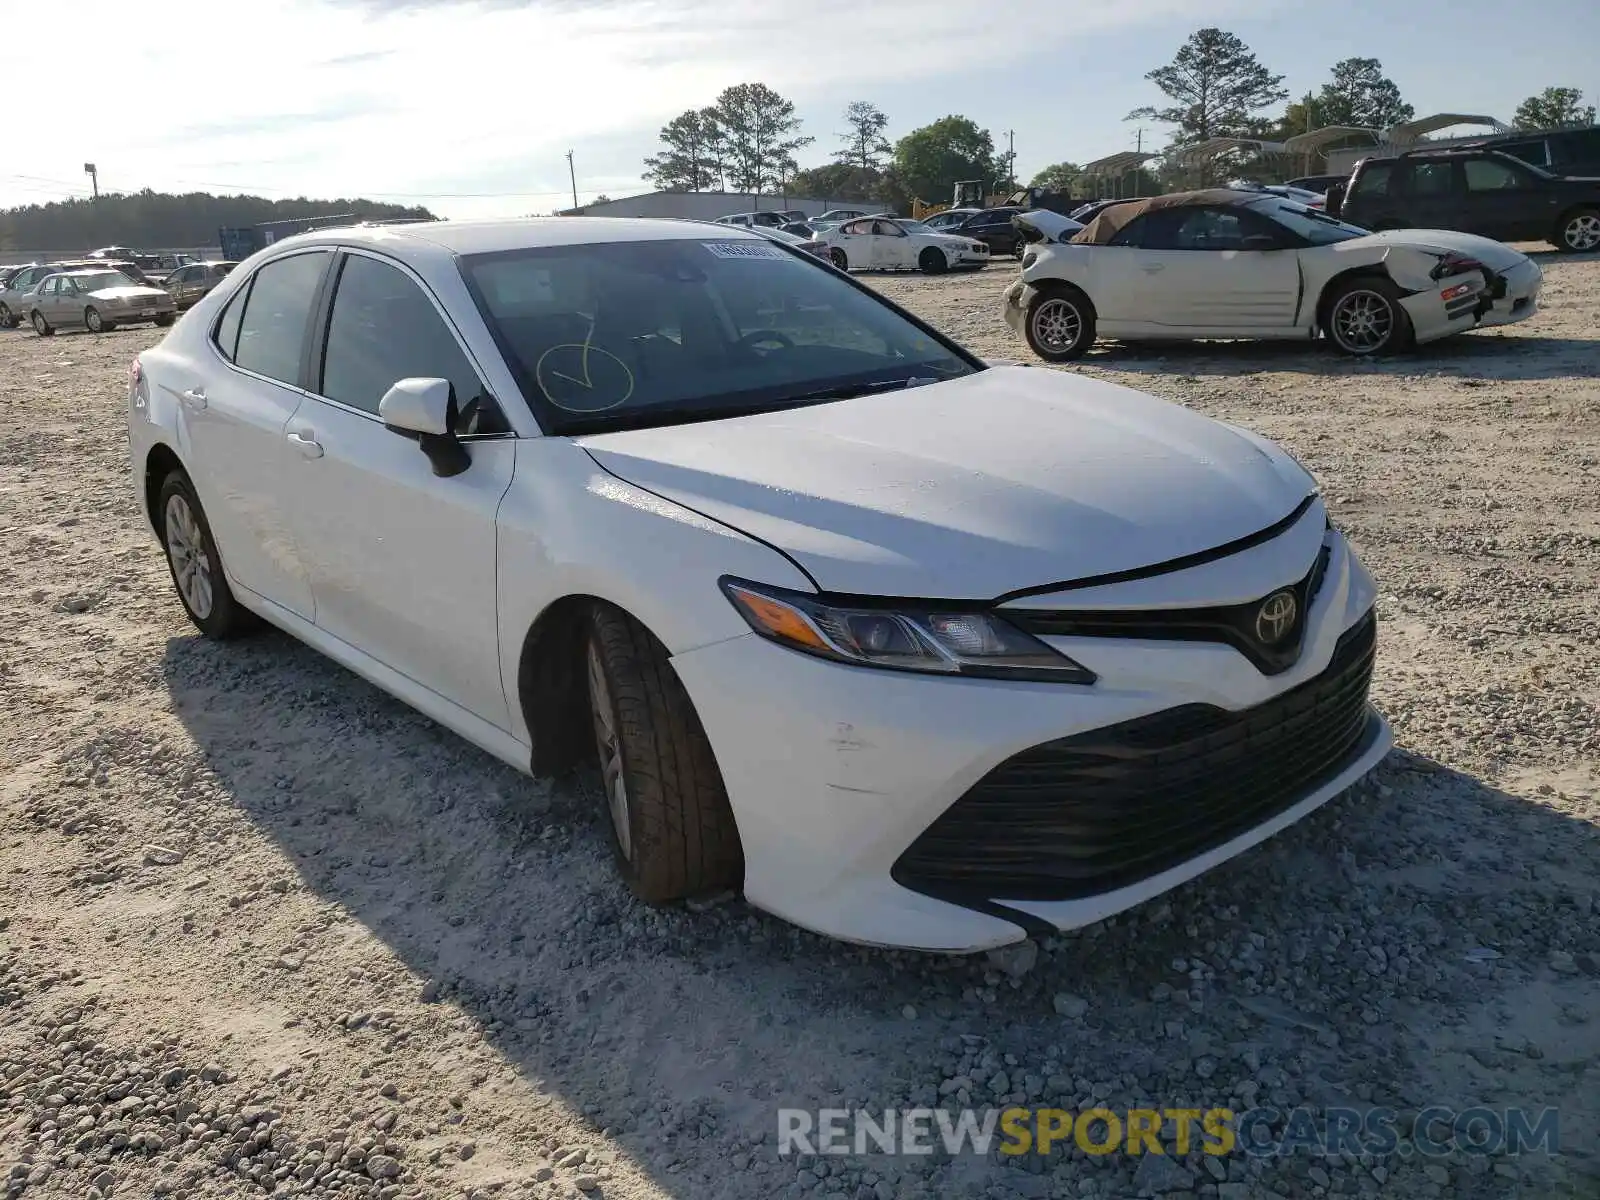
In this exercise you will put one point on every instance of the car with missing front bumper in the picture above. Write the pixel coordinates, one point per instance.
(680, 505)
(1228, 263)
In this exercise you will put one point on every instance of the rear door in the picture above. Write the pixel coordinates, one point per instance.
(1504, 201)
(401, 561)
(237, 401)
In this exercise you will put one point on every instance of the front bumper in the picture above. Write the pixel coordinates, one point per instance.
(835, 772)
(1014, 305)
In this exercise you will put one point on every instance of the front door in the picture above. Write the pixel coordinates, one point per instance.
(891, 246)
(235, 412)
(1505, 202)
(402, 562)
(856, 239)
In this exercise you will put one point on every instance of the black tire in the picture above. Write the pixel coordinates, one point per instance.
(1060, 323)
(933, 262)
(1020, 249)
(1363, 317)
(1579, 232)
(8, 319)
(95, 323)
(839, 258)
(681, 837)
(225, 617)
(166, 318)
(40, 326)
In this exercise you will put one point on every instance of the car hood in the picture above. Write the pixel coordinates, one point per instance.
(131, 291)
(1010, 478)
(1495, 255)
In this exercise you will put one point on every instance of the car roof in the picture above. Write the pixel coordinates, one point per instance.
(1112, 219)
(526, 233)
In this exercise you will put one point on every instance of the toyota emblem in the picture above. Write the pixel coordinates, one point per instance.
(1275, 617)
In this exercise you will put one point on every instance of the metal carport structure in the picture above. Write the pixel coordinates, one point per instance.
(1110, 174)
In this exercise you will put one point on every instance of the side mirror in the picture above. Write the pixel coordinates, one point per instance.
(425, 411)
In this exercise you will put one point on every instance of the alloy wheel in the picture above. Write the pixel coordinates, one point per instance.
(91, 319)
(1362, 322)
(191, 566)
(609, 745)
(1583, 232)
(1057, 324)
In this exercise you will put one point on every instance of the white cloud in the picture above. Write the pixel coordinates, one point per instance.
(441, 96)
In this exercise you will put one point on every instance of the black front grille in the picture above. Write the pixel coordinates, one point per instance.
(1101, 810)
(1233, 624)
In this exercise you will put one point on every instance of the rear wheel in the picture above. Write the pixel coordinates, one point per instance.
(672, 831)
(194, 562)
(839, 258)
(1365, 317)
(1060, 324)
(166, 318)
(40, 325)
(932, 261)
(7, 318)
(1579, 231)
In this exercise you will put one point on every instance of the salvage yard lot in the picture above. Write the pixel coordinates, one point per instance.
(258, 922)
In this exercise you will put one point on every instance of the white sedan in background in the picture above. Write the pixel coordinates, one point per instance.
(892, 244)
(911, 649)
(1249, 264)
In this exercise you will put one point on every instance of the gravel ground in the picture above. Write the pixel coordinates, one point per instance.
(261, 926)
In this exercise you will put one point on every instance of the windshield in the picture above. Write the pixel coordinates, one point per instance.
(617, 335)
(100, 280)
(1315, 226)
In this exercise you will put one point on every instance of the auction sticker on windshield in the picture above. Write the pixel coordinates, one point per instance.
(744, 250)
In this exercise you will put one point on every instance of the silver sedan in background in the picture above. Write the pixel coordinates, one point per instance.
(188, 284)
(98, 301)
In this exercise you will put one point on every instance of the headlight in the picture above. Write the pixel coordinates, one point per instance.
(1029, 257)
(902, 638)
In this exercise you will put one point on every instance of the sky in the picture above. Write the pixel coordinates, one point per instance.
(470, 106)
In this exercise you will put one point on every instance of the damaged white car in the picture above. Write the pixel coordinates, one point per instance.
(888, 244)
(1234, 264)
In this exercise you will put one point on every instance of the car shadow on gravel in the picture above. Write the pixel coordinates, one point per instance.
(1407, 944)
(1486, 356)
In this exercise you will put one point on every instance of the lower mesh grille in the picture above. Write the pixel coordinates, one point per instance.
(1101, 810)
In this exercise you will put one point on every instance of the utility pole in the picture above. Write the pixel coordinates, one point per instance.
(572, 173)
(1011, 160)
(94, 178)
(1138, 140)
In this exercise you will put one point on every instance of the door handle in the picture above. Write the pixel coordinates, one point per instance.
(1152, 268)
(194, 398)
(306, 443)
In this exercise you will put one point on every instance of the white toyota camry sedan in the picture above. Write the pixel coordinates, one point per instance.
(909, 648)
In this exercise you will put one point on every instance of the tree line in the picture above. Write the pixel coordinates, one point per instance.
(150, 220)
(1215, 86)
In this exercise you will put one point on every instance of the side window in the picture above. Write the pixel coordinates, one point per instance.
(272, 330)
(856, 228)
(1429, 179)
(888, 229)
(1135, 231)
(1576, 146)
(1488, 175)
(1529, 152)
(1373, 180)
(1209, 229)
(49, 288)
(383, 328)
(227, 335)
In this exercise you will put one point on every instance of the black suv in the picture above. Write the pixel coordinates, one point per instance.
(1559, 151)
(1476, 191)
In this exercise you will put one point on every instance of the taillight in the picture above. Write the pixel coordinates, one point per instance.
(135, 373)
(1452, 263)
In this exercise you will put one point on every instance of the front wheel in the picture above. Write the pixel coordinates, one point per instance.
(195, 564)
(94, 322)
(1365, 318)
(40, 325)
(166, 318)
(839, 258)
(672, 830)
(1060, 324)
(1579, 231)
(932, 261)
